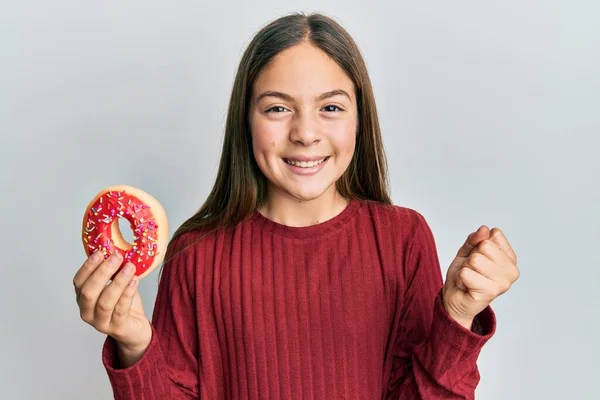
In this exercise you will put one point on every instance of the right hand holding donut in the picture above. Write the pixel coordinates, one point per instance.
(116, 309)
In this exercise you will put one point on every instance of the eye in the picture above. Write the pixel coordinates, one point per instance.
(276, 109)
(331, 108)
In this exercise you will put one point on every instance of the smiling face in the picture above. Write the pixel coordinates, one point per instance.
(303, 119)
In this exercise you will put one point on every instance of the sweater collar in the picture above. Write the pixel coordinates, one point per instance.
(311, 231)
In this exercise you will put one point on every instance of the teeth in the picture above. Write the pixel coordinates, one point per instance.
(305, 164)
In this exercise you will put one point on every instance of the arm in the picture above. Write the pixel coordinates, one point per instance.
(168, 369)
(434, 356)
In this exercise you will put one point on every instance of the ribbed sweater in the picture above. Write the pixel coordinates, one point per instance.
(349, 308)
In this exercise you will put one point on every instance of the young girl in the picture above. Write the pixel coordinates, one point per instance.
(298, 278)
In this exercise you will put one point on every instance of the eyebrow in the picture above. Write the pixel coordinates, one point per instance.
(287, 97)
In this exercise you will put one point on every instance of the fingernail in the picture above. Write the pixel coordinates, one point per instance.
(114, 259)
(128, 269)
(95, 257)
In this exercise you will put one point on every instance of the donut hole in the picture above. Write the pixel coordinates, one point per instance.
(125, 230)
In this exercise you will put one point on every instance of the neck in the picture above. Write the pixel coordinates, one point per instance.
(287, 210)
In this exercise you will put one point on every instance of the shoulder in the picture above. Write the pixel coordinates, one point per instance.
(184, 252)
(404, 227)
(189, 241)
(400, 232)
(392, 216)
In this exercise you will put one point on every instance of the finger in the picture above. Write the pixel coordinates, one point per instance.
(498, 237)
(458, 282)
(506, 267)
(96, 282)
(123, 307)
(474, 281)
(492, 251)
(88, 267)
(111, 294)
(472, 241)
(481, 264)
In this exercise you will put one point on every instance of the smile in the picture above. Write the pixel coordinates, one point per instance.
(306, 167)
(306, 164)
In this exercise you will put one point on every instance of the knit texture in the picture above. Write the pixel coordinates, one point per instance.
(350, 308)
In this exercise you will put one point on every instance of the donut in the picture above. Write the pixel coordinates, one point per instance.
(147, 219)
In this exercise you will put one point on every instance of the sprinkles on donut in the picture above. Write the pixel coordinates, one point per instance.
(146, 217)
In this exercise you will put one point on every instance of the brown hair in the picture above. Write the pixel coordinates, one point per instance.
(240, 186)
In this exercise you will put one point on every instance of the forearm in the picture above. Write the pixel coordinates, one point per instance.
(168, 367)
(466, 323)
(148, 378)
(444, 364)
(128, 357)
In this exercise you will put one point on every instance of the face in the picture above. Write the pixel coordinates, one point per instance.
(303, 119)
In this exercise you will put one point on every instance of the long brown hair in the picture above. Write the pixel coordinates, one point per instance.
(240, 186)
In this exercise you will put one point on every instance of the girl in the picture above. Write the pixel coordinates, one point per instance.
(298, 278)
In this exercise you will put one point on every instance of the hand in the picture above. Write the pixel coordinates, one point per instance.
(485, 267)
(115, 309)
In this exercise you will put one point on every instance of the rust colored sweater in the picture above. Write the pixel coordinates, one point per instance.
(347, 309)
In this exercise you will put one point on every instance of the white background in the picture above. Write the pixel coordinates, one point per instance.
(490, 114)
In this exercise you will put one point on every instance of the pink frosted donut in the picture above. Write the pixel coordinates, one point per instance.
(147, 219)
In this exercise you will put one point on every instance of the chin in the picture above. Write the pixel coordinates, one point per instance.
(308, 194)
(306, 198)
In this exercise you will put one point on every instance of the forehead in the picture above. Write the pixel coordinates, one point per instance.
(303, 70)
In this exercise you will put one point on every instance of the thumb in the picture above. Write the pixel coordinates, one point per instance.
(474, 238)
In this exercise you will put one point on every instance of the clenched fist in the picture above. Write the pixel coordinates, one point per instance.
(484, 268)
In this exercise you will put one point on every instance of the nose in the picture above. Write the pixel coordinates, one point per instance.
(305, 129)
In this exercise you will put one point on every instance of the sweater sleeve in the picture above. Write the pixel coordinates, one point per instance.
(434, 357)
(169, 367)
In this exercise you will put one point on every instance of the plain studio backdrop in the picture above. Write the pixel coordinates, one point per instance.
(490, 115)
